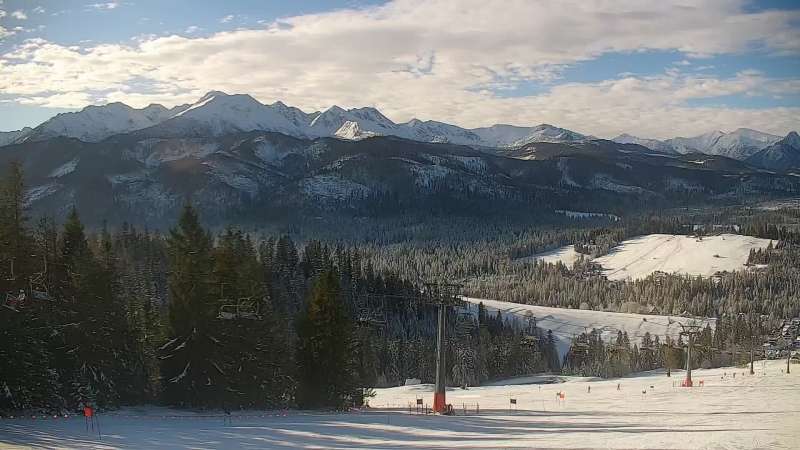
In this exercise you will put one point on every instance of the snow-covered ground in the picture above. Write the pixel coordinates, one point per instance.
(743, 413)
(639, 257)
(566, 255)
(567, 323)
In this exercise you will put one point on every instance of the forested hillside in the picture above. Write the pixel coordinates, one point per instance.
(195, 319)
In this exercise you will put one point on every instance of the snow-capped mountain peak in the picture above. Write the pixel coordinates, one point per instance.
(792, 139)
(351, 131)
(782, 155)
(501, 135)
(95, 123)
(218, 113)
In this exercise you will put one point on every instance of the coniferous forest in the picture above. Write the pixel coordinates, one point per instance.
(195, 317)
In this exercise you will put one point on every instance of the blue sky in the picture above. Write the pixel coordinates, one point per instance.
(647, 68)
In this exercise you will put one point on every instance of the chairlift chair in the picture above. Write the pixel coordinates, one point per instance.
(13, 302)
(38, 287)
(244, 308)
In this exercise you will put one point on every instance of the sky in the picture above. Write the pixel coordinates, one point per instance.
(655, 69)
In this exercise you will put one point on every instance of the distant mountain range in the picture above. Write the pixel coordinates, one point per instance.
(739, 144)
(218, 114)
(243, 161)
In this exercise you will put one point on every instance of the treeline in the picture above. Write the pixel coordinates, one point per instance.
(729, 343)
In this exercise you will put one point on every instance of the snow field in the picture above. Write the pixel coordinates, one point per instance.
(743, 413)
(639, 257)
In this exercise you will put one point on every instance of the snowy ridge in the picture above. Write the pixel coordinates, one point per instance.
(739, 144)
(514, 136)
(218, 113)
(95, 123)
(13, 137)
(782, 155)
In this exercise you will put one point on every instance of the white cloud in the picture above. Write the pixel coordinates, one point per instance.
(61, 100)
(226, 19)
(192, 29)
(19, 15)
(104, 6)
(2, 13)
(4, 33)
(38, 10)
(445, 60)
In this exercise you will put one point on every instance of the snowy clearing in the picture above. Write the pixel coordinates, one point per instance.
(743, 413)
(639, 257)
(567, 255)
(567, 323)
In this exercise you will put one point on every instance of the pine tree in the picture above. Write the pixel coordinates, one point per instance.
(192, 375)
(26, 362)
(326, 371)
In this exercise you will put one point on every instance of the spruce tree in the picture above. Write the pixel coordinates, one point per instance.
(326, 371)
(191, 373)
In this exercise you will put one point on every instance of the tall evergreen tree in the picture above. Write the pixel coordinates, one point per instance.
(192, 375)
(327, 374)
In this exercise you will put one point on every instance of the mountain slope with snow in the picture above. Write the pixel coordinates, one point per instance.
(95, 123)
(783, 155)
(12, 137)
(514, 136)
(217, 114)
(652, 144)
(739, 144)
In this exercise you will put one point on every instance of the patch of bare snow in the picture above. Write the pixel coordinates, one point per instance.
(37, 193)
(566, 255)
(639, 257)
(64, 169)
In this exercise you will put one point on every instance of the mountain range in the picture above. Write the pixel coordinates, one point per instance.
(241, 160)
(739, 144)
(218, 113)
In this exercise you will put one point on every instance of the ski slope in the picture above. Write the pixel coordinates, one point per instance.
(747, 412)
(639, 257)
(566, 255)
(567, 323)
